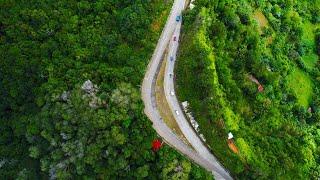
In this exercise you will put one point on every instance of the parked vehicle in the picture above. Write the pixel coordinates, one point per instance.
(174, 38)
(171, 58)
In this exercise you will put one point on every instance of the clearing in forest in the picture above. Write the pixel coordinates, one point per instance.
(261, 19)
(262, 23)
(301, 85)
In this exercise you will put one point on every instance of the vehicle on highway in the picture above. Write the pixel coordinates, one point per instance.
(177, 112)
(171, 58)
(170, 75)
(172, 93)
(178, 18)
(174, 38)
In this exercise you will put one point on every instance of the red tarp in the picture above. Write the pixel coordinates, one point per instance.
(156, 145)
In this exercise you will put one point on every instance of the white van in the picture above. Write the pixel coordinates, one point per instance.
(172, 93)
(177, 112)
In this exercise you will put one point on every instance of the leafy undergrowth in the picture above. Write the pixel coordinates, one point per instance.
(276, 130)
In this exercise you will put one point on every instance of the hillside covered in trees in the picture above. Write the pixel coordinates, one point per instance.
(228, 48)
(70, 105)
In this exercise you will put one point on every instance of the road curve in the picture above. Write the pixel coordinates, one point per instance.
(180, 118)
(148, 95)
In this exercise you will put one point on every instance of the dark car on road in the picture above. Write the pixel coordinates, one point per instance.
(178, 18)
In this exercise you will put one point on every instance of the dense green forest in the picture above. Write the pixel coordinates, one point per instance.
(229, 47)
(70, 106)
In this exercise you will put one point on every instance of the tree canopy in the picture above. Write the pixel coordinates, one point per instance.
(70, 104)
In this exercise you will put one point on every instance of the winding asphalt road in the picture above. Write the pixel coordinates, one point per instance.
(201, 156)
(178, 113)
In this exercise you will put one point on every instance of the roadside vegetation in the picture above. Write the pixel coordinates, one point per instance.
(54, 122)
(276, 128)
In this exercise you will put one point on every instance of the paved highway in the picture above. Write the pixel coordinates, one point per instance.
(148, 97)
(178, 113)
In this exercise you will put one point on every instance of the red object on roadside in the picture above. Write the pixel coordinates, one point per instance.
(156, 145)
(260, 88)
